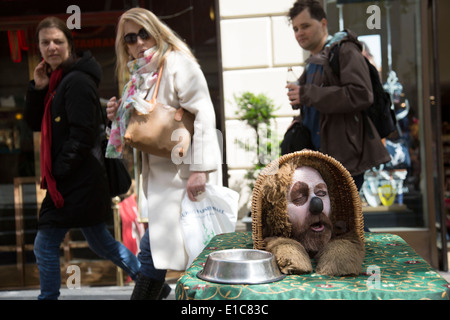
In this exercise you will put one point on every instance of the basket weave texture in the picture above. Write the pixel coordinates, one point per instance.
(344, 196)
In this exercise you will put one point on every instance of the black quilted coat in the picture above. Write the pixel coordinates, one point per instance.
(77, 132)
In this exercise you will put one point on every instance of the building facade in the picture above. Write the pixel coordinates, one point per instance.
(248, 46)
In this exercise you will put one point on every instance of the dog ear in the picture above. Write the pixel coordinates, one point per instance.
(277, 185)
(274, 204)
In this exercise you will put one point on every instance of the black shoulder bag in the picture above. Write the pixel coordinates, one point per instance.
(119, 179)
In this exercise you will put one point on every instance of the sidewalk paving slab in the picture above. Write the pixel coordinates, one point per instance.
(84, 293)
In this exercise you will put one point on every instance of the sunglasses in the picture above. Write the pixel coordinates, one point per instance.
(131, 38)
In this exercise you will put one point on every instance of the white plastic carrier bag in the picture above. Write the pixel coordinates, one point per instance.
(201, 220)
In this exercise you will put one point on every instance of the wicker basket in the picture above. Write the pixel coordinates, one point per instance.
(344, 196)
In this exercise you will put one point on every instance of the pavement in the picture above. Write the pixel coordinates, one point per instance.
(98, 292)
(445, 275)
(83, 293)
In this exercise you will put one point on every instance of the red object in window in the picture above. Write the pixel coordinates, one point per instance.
(22, 40)
(17, 43)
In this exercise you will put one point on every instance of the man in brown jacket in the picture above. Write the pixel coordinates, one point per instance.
(331, 105)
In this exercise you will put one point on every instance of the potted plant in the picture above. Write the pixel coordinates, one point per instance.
(258, 111)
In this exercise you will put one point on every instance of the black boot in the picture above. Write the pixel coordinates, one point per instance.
(146, 288)
(165, 291)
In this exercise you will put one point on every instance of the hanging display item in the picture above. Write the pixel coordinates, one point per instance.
(385, 185)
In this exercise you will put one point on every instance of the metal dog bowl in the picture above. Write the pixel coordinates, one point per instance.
(241, 266)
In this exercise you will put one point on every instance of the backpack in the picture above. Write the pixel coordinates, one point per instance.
(380, 112)
(296, 138)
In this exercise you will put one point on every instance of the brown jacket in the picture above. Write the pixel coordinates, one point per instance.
(340, 101)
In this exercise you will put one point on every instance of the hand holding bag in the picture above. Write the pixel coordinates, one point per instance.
(160, 129)
(201, 220)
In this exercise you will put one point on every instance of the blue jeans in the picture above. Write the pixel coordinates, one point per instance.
(146, 260)
(46, 250)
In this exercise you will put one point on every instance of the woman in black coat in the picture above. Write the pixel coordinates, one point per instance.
(62, 102)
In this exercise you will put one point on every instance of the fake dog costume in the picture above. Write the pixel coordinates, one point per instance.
(306, 206)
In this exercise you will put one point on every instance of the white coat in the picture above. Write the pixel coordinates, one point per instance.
(163, 182)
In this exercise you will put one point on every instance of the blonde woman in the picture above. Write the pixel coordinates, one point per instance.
(143, 44)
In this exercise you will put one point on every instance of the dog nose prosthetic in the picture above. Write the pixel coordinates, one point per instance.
(316, 205)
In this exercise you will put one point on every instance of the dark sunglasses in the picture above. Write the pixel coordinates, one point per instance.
(131, 38)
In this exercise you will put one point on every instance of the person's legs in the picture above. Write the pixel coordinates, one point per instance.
(145, 258)
(150, 282)
(46, 250)
(103, 243)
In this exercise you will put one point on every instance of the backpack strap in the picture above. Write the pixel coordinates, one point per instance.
(335, 44)
(333, 60)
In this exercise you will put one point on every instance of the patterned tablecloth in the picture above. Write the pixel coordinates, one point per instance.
(391, 270)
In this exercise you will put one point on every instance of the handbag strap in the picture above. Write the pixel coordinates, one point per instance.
(155, 92)
(180, 111)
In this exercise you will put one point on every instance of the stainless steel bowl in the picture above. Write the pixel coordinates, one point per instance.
(241, 266)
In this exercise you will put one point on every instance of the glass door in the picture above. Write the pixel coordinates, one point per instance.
(441, 131)
(400, 196)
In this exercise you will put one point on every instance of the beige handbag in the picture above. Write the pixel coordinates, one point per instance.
(164, 131)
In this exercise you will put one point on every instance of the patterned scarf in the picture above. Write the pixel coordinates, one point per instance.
(47, 179)
(143, 76)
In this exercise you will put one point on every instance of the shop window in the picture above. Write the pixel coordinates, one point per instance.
(392, 195)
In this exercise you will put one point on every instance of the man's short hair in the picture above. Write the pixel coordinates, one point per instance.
(315, 9)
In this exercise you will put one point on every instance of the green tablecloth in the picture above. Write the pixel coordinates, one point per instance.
(391, 270)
